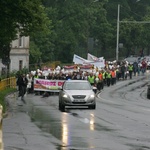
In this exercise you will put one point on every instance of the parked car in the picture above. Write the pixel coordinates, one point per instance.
(77, 93)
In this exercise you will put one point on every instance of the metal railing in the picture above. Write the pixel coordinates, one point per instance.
(8, 83)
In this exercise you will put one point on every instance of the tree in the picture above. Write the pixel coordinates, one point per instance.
(74, 21)
(21, 16)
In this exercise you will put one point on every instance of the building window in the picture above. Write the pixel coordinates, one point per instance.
(20, 64)
(20, 41)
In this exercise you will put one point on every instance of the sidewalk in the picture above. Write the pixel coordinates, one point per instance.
(19, 132)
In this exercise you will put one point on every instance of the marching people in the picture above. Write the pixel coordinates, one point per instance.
(113, 76)
(108, 77)
(30, 83)
(91, 79)
(104, 76)
(22, 84)
(118, 73)
(100, 84)
(130, 69)
(135, 68)
(97, 77)
(96, 81)
(143, 66)
(123, 70)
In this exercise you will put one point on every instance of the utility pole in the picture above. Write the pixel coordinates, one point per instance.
(117, 44)
(118, 26)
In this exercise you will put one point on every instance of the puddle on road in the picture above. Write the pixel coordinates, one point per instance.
(70, 136)
(59, 128)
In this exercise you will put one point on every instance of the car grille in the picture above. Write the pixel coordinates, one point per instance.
(78, 96)
(78, 102)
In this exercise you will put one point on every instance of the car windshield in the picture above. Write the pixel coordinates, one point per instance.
(77, 86)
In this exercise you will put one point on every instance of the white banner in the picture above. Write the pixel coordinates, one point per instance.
(98, 62)
(93, 58)
(79, 60)
(48, 85)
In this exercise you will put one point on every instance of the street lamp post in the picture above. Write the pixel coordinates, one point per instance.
(117, 44)
(118, 24)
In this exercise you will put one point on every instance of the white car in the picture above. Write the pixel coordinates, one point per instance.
(77, 93)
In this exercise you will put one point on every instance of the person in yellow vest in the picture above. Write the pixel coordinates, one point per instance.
(113, 76)
(104, 76)
(108, 77)
(91, 79)
(130, 69)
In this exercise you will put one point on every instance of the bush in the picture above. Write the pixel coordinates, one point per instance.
(3, 94)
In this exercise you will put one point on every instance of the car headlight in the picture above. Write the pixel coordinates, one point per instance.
(65, 95)
(92, 96)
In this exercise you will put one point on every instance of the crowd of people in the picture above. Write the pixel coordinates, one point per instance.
(97, 77)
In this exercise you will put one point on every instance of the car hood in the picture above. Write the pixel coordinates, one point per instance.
(79, 92)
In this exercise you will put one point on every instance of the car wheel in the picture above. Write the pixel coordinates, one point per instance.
(59, 106)
(62, 107)
(93, 106)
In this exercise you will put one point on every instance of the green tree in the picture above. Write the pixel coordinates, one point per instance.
(74, 21)
(21, 16)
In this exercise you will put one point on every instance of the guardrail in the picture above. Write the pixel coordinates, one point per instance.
(8, 83)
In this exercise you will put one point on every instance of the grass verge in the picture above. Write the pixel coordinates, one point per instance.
(3, 94)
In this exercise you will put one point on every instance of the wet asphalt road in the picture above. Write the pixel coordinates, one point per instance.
(120, 122)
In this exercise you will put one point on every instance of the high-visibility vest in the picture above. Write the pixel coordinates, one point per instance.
(109, 75)
(113, 74)
(36, 76)
(91, 79)
(117, 70)
(100, 76)
(104, 75)
(130, 68)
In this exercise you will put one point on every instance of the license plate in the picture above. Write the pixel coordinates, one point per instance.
(78, 100)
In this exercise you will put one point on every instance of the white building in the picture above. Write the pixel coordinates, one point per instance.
(2, 67)
(19, 54)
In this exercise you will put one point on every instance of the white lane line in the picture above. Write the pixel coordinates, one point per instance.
(85, 120)
(104, 99)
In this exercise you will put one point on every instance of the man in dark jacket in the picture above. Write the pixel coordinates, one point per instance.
(22, 86)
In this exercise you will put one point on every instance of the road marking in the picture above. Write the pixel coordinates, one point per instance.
(85, 120)
(104, 99)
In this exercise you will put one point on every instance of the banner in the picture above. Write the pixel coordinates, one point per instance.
(100, 63)
(79, 60)
(94, 58)
(74, 67)
(48, 85)
(86, 67)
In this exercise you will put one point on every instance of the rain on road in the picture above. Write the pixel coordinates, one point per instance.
(120, 122)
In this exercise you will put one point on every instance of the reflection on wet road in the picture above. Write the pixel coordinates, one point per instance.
(120, 121)
(67, 127)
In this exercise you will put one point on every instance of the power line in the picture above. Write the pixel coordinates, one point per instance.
(131, 11)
